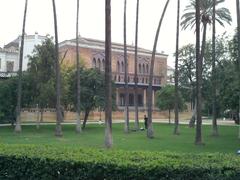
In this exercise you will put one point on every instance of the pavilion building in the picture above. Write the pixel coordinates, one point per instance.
(92, 53)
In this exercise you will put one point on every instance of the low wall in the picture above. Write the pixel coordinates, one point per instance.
(49, 115)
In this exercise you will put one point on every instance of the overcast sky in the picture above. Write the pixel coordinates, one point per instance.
(92, 20)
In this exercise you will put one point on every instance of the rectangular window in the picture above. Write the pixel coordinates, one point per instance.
(10, 66)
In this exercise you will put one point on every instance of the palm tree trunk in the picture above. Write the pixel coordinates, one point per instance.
(126, 109)
(38, 117)
(198, 138)
(18, 127)
(58, 130)
(193, 118)
(238, 57)
(108, 76)
(169, 116)
(41, 118)
(176, 129)
(78, 124)
(150, 92)
(85, 118)
(214, 102)
(135, 71)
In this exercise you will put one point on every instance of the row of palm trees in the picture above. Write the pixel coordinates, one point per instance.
(198, 12)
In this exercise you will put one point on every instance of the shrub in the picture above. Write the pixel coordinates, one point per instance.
(48, 162)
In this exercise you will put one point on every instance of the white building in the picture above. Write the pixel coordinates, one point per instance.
(170, 75)
(8, 62)
(30, 41)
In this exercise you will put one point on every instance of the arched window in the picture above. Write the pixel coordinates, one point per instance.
(103, 64)
(147, 69)
(140, 68)
(143, 69)
(118, 67)
(99, 63)
(94, 63)
(122, 67)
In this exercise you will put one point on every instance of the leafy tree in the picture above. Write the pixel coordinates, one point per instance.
(42, 72)
(166, 100)
(92, 91)
(8, 96)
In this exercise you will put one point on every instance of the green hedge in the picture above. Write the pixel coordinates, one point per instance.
(49, 162)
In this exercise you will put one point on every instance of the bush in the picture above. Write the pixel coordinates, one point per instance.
(48, 162)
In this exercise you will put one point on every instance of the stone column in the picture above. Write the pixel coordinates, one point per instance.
(145, 98)
(117, 97)
(153, 99)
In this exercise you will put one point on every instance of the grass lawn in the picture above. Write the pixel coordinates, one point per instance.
(93, 137)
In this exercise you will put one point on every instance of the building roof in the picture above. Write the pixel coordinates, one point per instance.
(99, 44)
(15, 42)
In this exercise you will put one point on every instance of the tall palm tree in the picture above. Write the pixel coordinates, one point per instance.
(135, 71)
(238, 54)
(126, 110)
(214, 103)
(191, 18)
(176, 129)
(108, 76)
(198, 137)
(18, 128)
(59, 109)
(149, 91)
(78, 125)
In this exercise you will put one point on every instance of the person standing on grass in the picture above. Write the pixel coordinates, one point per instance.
(145, 121)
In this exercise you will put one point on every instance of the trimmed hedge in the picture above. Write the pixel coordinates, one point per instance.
(49, 162)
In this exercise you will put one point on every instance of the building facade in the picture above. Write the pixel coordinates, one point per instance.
(170, 75)
(92, 55)
(8, 62)
(9, 55)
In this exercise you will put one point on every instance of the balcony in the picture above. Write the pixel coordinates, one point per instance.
(143, 79)
(7, 74)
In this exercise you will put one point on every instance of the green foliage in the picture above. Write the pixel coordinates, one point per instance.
(8, 97)
(91, 88)
(42, 74)
(206, 6)
(48, 162)
(166, 99)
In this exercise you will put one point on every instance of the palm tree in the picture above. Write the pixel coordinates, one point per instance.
(198, 137)
(18, 128)
(238, 54)
(126, 128)
(191, 18)
(135, 71)
(214, 103)
(176, 129)
(78, 125)
(108, 76)
(59, 109)
(149, 91)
